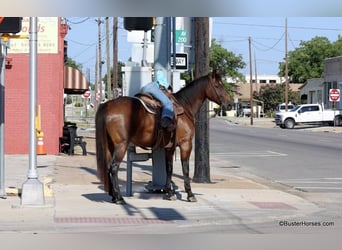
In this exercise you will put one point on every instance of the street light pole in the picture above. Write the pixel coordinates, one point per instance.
(32, 189)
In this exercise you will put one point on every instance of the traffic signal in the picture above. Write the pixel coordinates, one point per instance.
(65, 50)
(138, 23)
(10, 24)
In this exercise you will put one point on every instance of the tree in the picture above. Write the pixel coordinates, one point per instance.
(227, 62)
(72, 63)
(273, 94)
(307, 61)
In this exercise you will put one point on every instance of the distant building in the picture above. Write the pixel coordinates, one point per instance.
(311, 91)
(265, 79)
(316, 90)
(243, 89)
(332, 80)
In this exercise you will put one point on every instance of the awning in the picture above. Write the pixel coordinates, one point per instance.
(74, 81)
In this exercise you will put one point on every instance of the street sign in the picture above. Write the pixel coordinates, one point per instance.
(181, 61)
(334, 95)
(86, 94)
(181, 36)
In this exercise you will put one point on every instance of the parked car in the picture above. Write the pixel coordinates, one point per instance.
(244, 110)
(282, 107)
(308, 114)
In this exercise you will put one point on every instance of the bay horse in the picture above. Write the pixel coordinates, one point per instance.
(124, 120)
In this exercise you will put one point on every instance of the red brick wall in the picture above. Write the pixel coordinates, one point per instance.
(49, 97)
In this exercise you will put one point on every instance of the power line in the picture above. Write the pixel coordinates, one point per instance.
(269, 47)
(79, 22)
(278, 26)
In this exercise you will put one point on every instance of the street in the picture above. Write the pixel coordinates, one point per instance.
(305, 160)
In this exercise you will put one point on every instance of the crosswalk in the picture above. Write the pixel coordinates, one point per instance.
(322, 184)
(243, 154)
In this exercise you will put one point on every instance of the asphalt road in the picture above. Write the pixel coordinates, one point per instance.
(305, 160)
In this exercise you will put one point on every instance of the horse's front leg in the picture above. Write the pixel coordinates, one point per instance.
(114, 189)
(169, 193)
(187, 186)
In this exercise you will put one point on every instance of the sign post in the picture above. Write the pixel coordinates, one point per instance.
(3, 50)
(7, 25)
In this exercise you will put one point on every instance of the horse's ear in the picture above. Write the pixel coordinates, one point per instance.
(216, 74)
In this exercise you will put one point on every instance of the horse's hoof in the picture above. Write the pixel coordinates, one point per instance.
(192, 199)
(169, 197)
(119, 201)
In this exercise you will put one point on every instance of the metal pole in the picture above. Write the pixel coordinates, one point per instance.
(33, 97)
(32, 189)
(3, 49)
(162, 53)
(174, 53)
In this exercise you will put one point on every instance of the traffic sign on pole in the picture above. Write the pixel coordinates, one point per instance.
(86, 94)
(181, 36)
(181, 61)
(334, 95)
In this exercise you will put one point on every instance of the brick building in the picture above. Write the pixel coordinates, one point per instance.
(50, 88)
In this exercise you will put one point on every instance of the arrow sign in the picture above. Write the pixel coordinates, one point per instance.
(334, 95)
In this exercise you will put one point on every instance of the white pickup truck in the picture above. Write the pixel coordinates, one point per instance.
(308, 114)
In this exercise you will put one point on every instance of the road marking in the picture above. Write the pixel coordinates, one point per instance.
(314, 180)
(250, 154)
(321, 188)
(323, 183)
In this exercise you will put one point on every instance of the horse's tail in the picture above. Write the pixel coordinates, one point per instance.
(102, 150)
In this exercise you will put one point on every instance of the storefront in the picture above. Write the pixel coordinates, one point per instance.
(50, 89)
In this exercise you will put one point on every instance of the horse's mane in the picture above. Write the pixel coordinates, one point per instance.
(190, 90)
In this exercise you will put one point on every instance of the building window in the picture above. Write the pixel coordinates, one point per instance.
(262, 81)
(273, 81)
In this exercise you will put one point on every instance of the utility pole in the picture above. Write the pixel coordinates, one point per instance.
(255, 73)
(99, 60)
(286, 70)
(109, 82)
(250, 78)
(115, 57)
(202, 166)
(96, 79)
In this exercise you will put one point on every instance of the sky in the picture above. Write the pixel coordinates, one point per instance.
(267, 36)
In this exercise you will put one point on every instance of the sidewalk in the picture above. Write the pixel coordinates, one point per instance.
(76, 202)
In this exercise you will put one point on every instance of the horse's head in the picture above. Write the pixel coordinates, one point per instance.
(217, 92)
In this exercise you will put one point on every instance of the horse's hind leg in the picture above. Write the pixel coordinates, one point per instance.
(114, 189)
(187, 187)
(169, 193)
